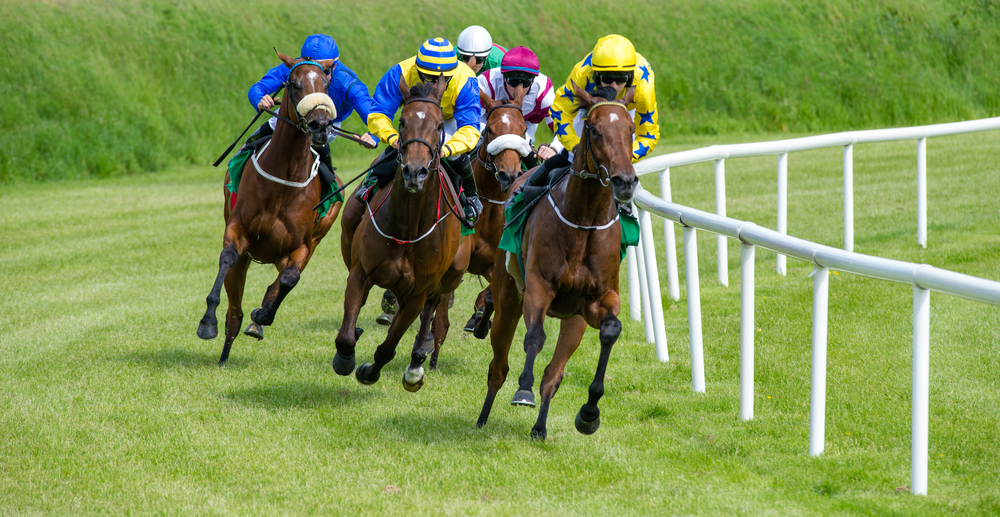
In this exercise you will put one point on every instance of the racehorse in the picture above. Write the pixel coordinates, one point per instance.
(404, 240)
(272, 220)
(496, 166)
(571, 254)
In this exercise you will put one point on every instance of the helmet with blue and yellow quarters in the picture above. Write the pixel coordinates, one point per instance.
(437, 56)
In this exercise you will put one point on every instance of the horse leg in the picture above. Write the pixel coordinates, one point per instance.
(536, 303)
(254, 329)
(408, 311)
(355, 295)
(483, 326)
(208, 327)
(589, 418)
(570, 334)
(441, 326)
(413, 376)
(508, 314)
(235, 281)
(286, 281)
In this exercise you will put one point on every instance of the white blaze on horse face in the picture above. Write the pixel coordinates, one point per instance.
(313, 76)
(613, 117)
(505, 119)
(420, 115)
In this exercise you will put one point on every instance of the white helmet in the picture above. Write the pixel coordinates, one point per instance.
(474, 41)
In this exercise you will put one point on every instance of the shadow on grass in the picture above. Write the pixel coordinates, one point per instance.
(454, 427)
(298, 395)
(184, 358)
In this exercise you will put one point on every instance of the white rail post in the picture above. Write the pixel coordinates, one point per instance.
(782, 205)
(720, 209)
(694, 309)
(921, 389)
(817, 409)
(673, 285)
(747, 329)
(647, 317)
(634, 297)
(922, 192)
(849, 197)
(653, 285)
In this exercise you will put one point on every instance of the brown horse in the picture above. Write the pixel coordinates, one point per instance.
(404, 240)
(496, 166)
(273, 220)
(571, 246)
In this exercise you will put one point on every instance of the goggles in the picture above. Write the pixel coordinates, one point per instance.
(466, 57)
(515, 79)
(429, 78)
(619, 77)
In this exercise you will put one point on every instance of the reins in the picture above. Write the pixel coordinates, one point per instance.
(604, 178)
(488, 162)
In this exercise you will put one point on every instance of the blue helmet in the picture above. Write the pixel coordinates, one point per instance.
(320, 46)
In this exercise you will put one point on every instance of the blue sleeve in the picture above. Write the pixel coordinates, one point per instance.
(387, 97)
(354, 91)
(269, 84)
(467, 107)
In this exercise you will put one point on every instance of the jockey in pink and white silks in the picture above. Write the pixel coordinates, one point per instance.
(519, 67)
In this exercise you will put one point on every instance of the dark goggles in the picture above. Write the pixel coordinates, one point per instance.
(430, 79)
(515, 79)
(465, 58)
(613, 77)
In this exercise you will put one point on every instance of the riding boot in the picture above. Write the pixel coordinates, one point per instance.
(529, 162)
(262, 131)
(382, 172)
(462, 167)
(540, 178)
(326, 168)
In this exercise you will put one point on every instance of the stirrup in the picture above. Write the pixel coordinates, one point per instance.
(364, 192)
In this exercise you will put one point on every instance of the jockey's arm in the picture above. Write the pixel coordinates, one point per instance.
(467, 118)
(647, 127)
(385, 103)
(564, 109)
(357, 95)
(268, 85)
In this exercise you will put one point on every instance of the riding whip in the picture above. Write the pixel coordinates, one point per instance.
(252, 122)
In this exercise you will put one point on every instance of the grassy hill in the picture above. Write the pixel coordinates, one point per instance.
(95, 89)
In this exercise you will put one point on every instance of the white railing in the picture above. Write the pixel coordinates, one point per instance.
(923, 278)
(781, 148)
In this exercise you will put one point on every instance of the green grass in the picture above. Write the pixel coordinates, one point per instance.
(109, 403)
(109, 88)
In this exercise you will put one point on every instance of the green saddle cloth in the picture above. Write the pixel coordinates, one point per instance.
(236, 172)
(516, 216)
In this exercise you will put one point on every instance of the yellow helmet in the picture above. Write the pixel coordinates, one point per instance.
(613, 53)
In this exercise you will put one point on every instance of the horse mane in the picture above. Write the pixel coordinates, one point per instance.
(607, 93)
(422, 90)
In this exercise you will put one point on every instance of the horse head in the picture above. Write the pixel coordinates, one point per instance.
(308, 105)
(503, 137)
(421, 121)
(607, 139)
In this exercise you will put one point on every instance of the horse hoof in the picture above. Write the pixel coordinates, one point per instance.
(538, 433)
(483, 329)
(255, 331)
(587, 427)
(473, 322)
(208, 331)
(384, 319)
(523, 398)
(365, 375)
(413, 380)
(357, 333)
(343, 365)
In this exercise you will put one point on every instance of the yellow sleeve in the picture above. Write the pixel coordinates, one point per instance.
(647, 127)
(463, 141)
(566, 104)
(381, 126)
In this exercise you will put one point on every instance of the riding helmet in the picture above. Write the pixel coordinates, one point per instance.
(475, 41)
(320, 46)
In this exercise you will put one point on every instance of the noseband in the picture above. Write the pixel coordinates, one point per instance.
(299, 124)
(488, 162)
(435, 151)
(602, 174)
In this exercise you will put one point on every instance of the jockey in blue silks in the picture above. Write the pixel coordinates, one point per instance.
(348, 92)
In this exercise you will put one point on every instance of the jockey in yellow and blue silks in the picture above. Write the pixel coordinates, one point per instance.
(348, 93)
(436, 60)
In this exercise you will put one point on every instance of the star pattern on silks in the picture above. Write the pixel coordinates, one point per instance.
(569, 94)
(590, 85)
(645, 72)
(641, 151)
(645, 117)
(556, 114)
(561, 129)
(647, 135)
(586, 60)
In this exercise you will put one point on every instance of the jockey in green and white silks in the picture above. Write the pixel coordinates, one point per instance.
(476, 48)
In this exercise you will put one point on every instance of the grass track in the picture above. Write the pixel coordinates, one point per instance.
(110, 404)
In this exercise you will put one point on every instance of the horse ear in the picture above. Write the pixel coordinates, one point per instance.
(288, 61)
(327, 64)
(440, 88)
(629, 95)
(586, 101)
(485, 101)
(404, 89)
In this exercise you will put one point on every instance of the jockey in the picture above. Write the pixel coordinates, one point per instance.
(435, 61)
(476, 48)
(346, 90)
(615, 63)
(519, 67)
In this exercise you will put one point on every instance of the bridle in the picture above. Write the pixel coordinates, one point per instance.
(488, 162)
(435, 151)
(602, 174)
(300, 123)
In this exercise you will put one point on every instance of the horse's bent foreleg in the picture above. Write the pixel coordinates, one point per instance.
(287, 280)
(483, 325)
(413, 376)
(508, 314)
(208, 327)
(235, 281)
(408, 311)
(570, 334)
(355, 294)
(479, 309)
